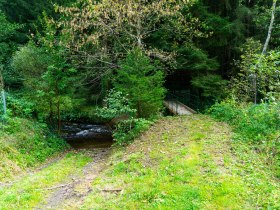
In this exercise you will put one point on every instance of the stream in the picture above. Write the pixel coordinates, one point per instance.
(87, 136)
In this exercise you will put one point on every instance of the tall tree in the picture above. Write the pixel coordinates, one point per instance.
(7, 31)
(142, 81)
(102, 32)
(257, 65)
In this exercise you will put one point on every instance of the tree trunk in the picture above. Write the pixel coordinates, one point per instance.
(58, 115)
(270, 27)
(51, 112)
(138, 109)
(265, 47)
(139, 35)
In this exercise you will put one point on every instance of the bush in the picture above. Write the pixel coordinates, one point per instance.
(116, 104)
(19, 107)
(128, 130)
(225, 111)
(255, 123)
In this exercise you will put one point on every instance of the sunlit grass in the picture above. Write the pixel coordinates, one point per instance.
(30, 190)
(186, 163)
(180, 163)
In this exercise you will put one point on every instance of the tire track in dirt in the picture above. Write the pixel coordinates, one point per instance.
(71, 195)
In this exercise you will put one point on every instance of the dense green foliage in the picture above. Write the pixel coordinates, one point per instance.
(212, 86)
(45, 70)
(259, 75)
(142, 82)
(117, 109)
(23, 144)
(116, 104)
(71, 60)
(7, 46)
(255, 123)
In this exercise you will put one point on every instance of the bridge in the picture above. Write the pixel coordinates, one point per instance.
(180, 103)
(178, 108)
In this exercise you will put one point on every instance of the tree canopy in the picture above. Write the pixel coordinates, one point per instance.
(182, 46)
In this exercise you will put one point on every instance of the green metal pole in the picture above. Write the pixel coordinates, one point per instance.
(4, 102)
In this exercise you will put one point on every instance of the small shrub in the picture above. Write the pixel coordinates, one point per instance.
(255, 123)
(116, 104)
(225, 111)
(19, 107)
(130, 129)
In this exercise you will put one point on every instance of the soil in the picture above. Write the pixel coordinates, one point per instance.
(71, 194)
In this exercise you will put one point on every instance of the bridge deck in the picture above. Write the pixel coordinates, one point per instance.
(178, 108)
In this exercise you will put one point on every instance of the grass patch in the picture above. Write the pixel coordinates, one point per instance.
(255, 124)
(30, 190)
(25, 144)
(186, 163)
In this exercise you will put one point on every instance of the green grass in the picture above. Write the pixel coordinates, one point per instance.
(25, 144)
(31, 190)
(183, 163)
(186, 163)
(256, 124)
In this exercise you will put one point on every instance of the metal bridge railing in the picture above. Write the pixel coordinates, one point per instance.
(193, 101)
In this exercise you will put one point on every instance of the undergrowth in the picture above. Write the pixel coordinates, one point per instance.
(256, 124)
(126, 131)
(25, 143)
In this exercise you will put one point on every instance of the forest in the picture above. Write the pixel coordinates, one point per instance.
(114, 69)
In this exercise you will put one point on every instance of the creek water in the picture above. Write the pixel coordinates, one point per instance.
(87, 136)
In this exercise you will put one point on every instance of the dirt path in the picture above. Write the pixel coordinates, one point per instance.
(70, 195)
